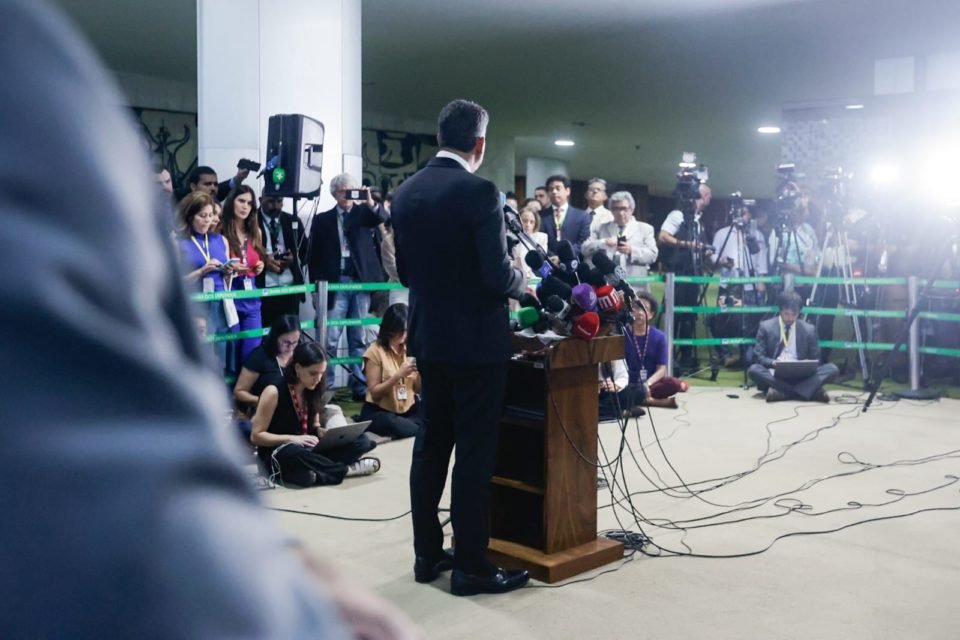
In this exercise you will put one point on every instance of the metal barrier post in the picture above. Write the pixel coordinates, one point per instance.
(788, 282)
(668, 303)
(913, 339)
(320, 310)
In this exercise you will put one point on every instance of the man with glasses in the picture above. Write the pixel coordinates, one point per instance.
(286, 251)
(342, 249)
(628, 242)
(596, 197)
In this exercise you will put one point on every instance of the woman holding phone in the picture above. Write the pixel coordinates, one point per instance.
(392, 380)
(241, 228)
(204, 255)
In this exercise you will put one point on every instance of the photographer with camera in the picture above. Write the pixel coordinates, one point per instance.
(683, 233)
(342, 249)
(628, 242)
(793, 241)
(286, 252)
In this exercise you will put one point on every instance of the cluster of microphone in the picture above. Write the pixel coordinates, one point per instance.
(573, 298)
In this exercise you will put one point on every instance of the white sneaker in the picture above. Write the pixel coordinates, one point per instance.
(363, 467)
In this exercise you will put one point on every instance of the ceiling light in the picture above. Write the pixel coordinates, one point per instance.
(854, 106)
(768, 130)
(564, 143)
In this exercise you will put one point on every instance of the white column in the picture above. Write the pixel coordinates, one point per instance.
(539, 169)
(257, 58)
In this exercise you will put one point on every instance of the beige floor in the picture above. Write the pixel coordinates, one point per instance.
(891, 579)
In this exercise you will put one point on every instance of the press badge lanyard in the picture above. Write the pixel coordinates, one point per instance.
(206, 243)
(784, 337)
(643, 356)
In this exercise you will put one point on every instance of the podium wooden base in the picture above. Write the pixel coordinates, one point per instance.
(554, 567)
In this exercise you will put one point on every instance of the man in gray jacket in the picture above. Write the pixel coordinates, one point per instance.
(785, 338)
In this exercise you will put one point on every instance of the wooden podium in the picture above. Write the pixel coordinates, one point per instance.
(543, 503)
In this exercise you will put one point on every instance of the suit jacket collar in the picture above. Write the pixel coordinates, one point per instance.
(445, 163)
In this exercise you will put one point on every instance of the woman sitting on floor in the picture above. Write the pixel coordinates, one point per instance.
(392, 380)
(646, 355)
(266, 363)
(287, 428)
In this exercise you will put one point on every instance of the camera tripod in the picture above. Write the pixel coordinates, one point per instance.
(837, 243)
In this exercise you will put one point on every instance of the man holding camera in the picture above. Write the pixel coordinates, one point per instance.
(342, 249)
(628, 242)
(682, 232)
(286, 251)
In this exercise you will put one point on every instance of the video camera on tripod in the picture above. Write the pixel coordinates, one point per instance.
(738, 218)
(689, 179)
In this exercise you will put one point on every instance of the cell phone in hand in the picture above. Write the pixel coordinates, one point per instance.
(357, 194)
(250, 165)
(226, 265)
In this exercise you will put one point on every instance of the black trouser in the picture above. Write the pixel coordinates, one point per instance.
(272, 307)
(612, 405)
(390, 424)
(686, 295)
(306, 467)
(797, 389)
(461, 406)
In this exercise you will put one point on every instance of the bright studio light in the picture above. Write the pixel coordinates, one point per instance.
(768, 130)
(854, 106)
(885, 174)
(564, 143)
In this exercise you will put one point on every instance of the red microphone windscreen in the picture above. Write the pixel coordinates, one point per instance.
(609, 299)
(586, 326)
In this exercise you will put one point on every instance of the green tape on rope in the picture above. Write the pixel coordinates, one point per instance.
(854, 281)
(940, 351)
(270, 292)
(644, 279)
(712, 342)
(722, 280)
(940, 315)
(863, 313)
(354, 322)
(869, 346)
(721, 310)
(364, 286)
(251, 333)
(336, 361)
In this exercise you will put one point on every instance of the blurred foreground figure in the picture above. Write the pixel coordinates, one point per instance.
(125, 513)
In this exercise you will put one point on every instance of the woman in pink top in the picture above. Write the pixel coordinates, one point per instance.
(241, 228)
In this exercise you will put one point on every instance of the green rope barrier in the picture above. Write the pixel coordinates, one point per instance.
(645, 279)
(364, 286)
(940, 351)
(253, 293)
(939, 315)
(336, 361)
(869, 346)
(251, 333)
(863, 313)
(854, 281)
(354, 322)
(712, 342)
(723, 280)
(722, 310)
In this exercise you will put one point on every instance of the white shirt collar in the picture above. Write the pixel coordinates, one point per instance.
(448, 154)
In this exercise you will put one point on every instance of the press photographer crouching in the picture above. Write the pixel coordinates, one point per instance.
(288, 432)
(392, 380)
(787, 354)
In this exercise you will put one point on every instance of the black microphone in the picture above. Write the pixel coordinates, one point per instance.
(557, 311)
(529, 300)
(540, 267)
(512, 219)
(614, 273)
(553, 286)
(590, 276)
(568, 257)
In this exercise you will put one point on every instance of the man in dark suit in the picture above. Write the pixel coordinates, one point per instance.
(573, 223)
(452, 254)
(786, 338)
(286, 247)
(342, 249)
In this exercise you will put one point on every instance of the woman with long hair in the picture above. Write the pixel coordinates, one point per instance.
(241, 228)
(266, 364)
(392, 380)
(288, 428)
(204, 254)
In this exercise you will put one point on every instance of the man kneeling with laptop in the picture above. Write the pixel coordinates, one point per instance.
(787, 356)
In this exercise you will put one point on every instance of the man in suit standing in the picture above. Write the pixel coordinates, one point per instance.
(785, 338)
(628, 242)
(286, 247)
(596, 197)
(342, 249)
(560, 221)
(460, 277)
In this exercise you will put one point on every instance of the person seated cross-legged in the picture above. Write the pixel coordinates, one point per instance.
(646, 355)
(785, 339)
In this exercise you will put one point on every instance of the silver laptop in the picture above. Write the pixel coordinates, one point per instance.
(795, 369)
(339, 435)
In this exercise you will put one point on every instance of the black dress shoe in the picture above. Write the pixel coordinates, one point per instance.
(465, 584)
(429, 570)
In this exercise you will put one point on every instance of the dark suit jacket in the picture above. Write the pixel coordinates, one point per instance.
(324, 253)
(452, 254)
(293, 239)
(769, 344)
(576, 227)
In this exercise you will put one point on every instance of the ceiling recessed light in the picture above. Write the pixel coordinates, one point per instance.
(854, 106)
(768, 130)
(564, 143)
